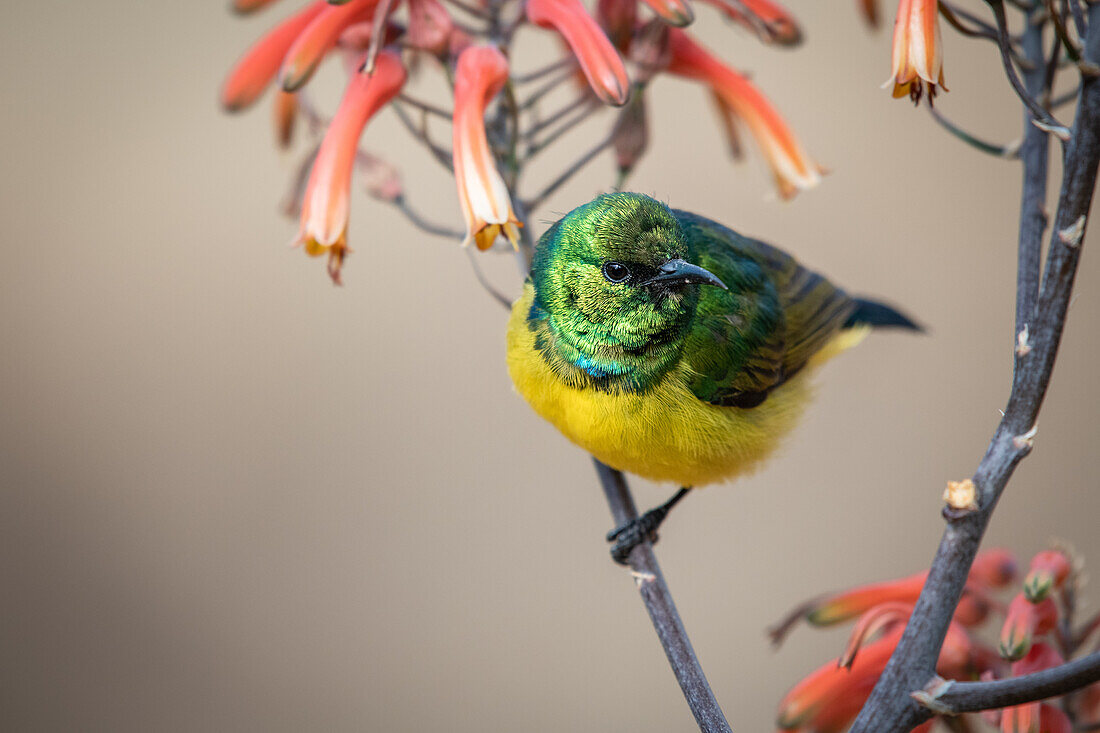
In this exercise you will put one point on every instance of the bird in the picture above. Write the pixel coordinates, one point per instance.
(669, 346)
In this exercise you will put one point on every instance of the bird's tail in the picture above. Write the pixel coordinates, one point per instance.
(879, 315)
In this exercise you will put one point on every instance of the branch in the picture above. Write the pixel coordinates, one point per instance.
(952, 698)
(535, 201)
(1042, 117)
(889, 707)
(1008, 151)
(662, 611)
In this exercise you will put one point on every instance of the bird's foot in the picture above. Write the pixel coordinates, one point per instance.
(634, 532)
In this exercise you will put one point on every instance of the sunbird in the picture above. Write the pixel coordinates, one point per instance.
(672, 347)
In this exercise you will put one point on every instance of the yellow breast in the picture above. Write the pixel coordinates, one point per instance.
(667, 433)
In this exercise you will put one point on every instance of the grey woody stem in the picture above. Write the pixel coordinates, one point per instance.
(662, 611)
(969, 697)
(890, 708)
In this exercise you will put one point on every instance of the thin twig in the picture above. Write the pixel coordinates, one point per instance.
(566, 63)
(535, 201)
(440, 154)
(1010, 150)
(536, 147)
(952, 698)
(418, 220)
(484, 281)
(427, 107)
(890, 709)
(582, 101)
(1041, 116)
(662, 610)
(545, 89)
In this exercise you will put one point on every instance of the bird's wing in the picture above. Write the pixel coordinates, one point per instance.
(774, 317)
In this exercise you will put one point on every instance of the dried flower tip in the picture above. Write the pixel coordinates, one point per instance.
(961, 495)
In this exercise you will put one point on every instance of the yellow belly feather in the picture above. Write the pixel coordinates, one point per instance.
(667, 433)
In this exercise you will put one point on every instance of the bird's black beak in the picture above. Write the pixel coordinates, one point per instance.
(680, 272)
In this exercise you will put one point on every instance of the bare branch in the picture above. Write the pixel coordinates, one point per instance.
(421, 133)
(1042, 117)
(662, 610)
(1009, 150)
(951, 698)
(538, 199)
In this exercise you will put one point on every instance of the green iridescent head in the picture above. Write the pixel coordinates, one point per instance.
(614, 288)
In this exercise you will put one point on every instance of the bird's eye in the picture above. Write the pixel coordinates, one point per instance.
(615, 272)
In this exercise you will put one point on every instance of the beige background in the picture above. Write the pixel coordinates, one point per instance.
(233, 497)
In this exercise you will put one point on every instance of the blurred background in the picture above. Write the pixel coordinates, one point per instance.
(235, 497)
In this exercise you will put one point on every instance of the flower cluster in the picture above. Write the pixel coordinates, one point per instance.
(1031, 639)
(381, 43)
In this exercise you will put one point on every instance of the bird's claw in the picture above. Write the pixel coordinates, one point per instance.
(634, 532)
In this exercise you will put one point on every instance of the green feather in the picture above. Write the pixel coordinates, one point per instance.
(736, 344)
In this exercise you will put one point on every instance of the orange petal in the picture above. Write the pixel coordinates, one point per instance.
(995, 568)
(600, 62)
(325, 206)
(286, 113)
(430, 26)
(771, 22)
(674, 12)
(1049, 570)
(485, 200)
(250, 6)
(318, 38)
(792, 168)
(255, 70)
(1023, 622)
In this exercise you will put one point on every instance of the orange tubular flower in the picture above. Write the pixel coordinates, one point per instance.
(870, 12)
(792, 167)
(325, 206)
(1048, 571)
(286, 113)
(995, 568)
(674, 12)
(1023, 622)
(430, 26)
(250, 6)
(991, 569)
(1032, 717)
(486, 204)
(771, 22)
(918, 51)
(831, 696)
(318, 38)
(248, 79)
(600, 62)
(618, 18)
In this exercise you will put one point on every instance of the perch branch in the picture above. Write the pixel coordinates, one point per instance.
(662, 611)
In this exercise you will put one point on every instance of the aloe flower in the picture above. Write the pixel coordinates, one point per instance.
(430, 27)
(485, 201)
(325, 207)
(250, 6)
(598, 59)
(1049, 570)
(674, 12)
(251, 75)
(771, 22)
(1023, 622)
(918, 50)
(318, 38)
(791, 166)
